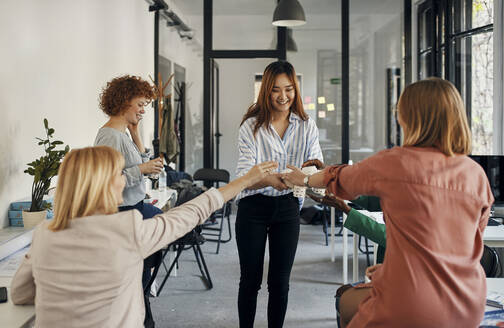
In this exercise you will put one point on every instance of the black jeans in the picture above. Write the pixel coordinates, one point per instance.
(260, 217)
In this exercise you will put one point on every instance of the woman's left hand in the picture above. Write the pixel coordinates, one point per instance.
(260, 171)
(295, 177)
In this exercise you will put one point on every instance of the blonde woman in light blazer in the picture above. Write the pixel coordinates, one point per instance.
(84, 267)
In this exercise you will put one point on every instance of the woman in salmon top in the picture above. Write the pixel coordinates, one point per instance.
(436, 202)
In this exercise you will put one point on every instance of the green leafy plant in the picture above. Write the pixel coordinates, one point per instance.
(45, 168)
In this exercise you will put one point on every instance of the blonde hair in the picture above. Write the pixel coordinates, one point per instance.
(433, 115)
(84, 184)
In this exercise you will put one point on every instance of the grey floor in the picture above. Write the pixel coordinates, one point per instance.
(185, 302)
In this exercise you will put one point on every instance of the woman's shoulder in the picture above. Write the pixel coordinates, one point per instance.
(249, 121)
(248, 125)
(108, 137)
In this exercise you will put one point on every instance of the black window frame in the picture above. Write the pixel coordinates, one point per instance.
(445, 25)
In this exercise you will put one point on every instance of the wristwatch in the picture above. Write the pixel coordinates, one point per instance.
(305, 181)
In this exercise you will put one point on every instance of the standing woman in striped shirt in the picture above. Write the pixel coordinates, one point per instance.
(275, 128)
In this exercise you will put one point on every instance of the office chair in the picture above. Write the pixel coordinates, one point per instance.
(490, 262)
(191, 240)
(325, 212)
(212, 177)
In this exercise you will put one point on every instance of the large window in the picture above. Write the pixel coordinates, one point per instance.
(455, 41)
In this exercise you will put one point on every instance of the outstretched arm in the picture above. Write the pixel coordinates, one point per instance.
(153, 234)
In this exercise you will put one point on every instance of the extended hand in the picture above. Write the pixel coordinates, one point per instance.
(260, 171)
(314, 162)
(295, 177)
(331, 200)
(152, 166)
(275, 181)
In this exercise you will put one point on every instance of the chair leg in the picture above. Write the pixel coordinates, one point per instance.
(325, 227)
(367, 252)
(180, 248)
(219, 238)
(154, 274)
(229, 230)
(202, 265)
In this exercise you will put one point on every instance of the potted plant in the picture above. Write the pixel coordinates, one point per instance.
(43, 170)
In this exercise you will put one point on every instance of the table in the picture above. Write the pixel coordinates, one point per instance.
(493, 236)
(496, 285)
(15, 315)
(163, 197)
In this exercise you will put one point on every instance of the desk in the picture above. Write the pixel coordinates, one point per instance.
(163, 197)
(15, 315)
(496, 285)
(493, 236)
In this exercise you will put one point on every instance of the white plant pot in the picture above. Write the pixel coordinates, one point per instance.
(31, 219)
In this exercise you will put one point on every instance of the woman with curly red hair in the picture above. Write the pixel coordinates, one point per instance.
(123, 100)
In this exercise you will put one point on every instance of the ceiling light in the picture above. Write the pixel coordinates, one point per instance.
(289, 13)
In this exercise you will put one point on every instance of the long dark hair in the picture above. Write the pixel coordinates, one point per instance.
(263, 108)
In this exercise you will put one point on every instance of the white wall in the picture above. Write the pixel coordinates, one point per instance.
(56, 56)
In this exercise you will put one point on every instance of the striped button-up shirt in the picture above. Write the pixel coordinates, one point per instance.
(299, 144)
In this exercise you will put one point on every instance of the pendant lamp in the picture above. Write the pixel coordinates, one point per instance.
(289, 13)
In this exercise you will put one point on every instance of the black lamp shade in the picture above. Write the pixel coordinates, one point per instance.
(289, 13)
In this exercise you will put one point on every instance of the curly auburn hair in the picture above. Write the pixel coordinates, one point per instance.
(118, 93)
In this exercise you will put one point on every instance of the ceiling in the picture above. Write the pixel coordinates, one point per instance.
(315, 7)
(246, 24)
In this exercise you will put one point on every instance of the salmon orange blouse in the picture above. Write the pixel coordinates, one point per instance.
(436, 208)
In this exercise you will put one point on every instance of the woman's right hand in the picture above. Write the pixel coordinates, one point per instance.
(260, 171)
(152, 167)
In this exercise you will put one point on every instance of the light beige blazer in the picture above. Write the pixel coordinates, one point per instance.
(90, 274)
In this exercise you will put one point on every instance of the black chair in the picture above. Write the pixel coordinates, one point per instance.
(215, 223)
(191, 240)
(490, 262)
(325, 212)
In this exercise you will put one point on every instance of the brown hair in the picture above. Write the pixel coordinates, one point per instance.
(433, 115)
(84, 184)
(263, 108)
(118, 93)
